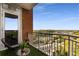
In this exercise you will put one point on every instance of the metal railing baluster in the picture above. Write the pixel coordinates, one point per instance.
(51, 45)
(64, 46)
(54, 46)
(38, 40)
(68, 45)
(45, 42)
(60, 44)
(75, 48)
(57, 46)
(72, 47)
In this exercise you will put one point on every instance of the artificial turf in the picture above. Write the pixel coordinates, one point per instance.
(33, 52)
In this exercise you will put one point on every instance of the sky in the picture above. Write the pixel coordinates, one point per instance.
(56, 16)
(11, 24)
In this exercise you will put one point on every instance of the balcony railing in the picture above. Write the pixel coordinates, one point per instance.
(55, 44)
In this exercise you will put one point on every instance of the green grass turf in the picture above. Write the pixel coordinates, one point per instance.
(33, 52)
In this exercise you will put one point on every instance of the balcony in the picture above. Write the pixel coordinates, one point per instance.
(55, 44)
(33, 52)
(43, 44)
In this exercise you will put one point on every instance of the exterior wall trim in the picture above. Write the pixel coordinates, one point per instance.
(19, 13)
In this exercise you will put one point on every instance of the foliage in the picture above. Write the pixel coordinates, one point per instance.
(24, 45)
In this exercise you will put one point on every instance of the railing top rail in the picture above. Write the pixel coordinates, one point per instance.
(72, 40)
(58, 34)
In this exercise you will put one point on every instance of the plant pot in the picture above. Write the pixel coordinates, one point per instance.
(23, 52)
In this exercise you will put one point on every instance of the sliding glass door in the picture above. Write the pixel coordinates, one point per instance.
(11, 29)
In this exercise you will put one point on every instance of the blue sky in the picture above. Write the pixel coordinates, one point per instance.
(56, 16)
(11, 24)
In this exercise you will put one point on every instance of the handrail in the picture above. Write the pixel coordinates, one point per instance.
(58, 34)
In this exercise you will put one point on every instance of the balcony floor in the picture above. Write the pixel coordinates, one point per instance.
(33, 52)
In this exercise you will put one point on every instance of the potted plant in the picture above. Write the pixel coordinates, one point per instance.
(24, 48)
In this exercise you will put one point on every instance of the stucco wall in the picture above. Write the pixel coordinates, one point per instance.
(27, 23)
